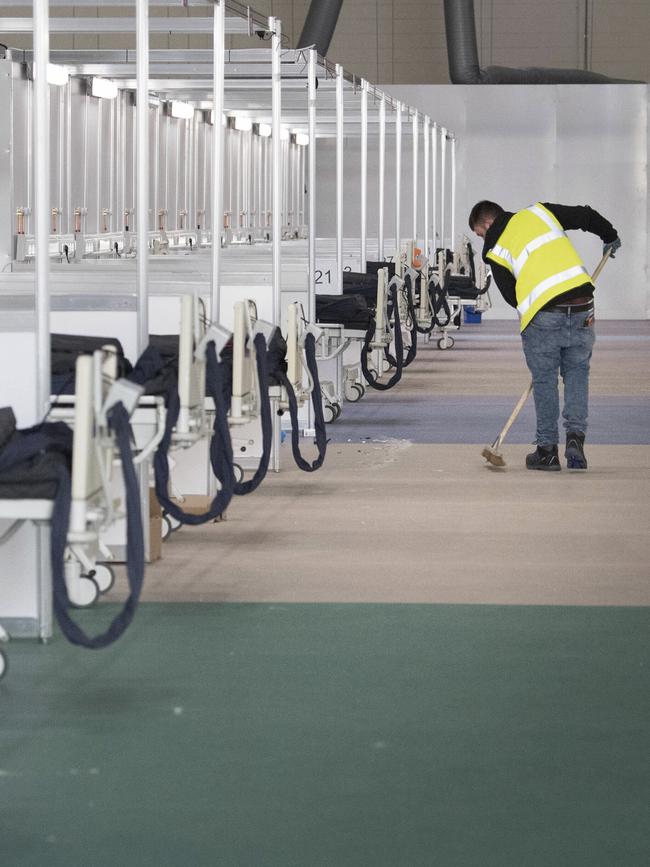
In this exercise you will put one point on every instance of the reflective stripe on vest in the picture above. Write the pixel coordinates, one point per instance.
(539, 279)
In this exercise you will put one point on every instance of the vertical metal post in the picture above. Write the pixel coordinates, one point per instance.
(415, 127)
(29, 136)
(425, 143)
(238, 174)
(191, 205)
(142, 164)
(382, 172)
(68, 157)
(260, 180)
(41, 125)
(267, 179)
(443, 171)
(303, 177)
(434, 190)
(339, 177)
(41, 121)
(204, 200)
(398, 187)
(311, 184)
(98, 168)
(296, 185)
(166, 134)
(218, 43)
(156, 162)
(134, 159)
(111, 168)
(453, 192)
(364, 174)
(275, 27)
(177, 171)
(119, 186)
(61, 158)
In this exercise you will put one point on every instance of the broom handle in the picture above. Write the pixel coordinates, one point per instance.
(520, 404)
(600, 266)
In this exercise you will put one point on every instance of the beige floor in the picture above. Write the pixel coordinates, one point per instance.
(398, 522)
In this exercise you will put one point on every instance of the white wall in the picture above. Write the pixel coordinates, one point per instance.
(573, 144)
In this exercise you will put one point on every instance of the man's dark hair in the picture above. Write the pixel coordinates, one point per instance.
(482, 211)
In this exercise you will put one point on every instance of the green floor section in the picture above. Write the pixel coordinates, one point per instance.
(309, 735)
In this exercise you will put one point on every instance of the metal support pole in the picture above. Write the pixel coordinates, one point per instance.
(41, 121)
(339, 178)
(260, 181)
(204, 179)
(156, 162)
(303, 173)
(142, 200)
(382, 171)
(68, 157)
(60, 158)
(434, 190)
(177, 171)
(453, 192)
(311, 108)
(238, 175)
(275, 27)
(398, 187)
(364, 173)
(425, 143)
(443, 171)
(111, 167)
(119, 178)
(218, 43)
(41, 126)
(415, 126)
(165, 202)
(99, 189)
(29, 136)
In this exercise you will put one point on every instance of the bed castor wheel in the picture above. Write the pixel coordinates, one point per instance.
(446, 343)
(103, 576)
(85, 593)
(167, 528)
(354, 392)
(329, 413)
(238, 472)
(337, 411)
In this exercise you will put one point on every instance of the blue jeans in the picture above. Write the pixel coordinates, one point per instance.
(559, 341)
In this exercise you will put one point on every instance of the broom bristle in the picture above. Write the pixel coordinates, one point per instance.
(493, 457)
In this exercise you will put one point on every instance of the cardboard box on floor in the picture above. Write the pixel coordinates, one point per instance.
(197, 504)
(155, 527)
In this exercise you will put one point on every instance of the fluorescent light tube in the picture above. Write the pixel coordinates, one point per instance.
(242, 123)
(57, 75)
(182, 109)
(302, 139)
(264, 129)
(104, 88)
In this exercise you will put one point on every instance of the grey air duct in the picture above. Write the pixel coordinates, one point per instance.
(320, 25)
(464, 68)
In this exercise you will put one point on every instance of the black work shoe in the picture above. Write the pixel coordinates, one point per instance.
(544, 458)
(575, 451)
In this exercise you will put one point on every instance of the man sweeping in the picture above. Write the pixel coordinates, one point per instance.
(539, 272)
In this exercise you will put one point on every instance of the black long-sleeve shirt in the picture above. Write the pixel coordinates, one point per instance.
(570, 217)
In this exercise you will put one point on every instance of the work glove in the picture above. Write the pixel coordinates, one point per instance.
(612, 247)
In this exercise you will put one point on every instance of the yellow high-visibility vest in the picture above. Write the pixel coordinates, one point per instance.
(535, 249)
